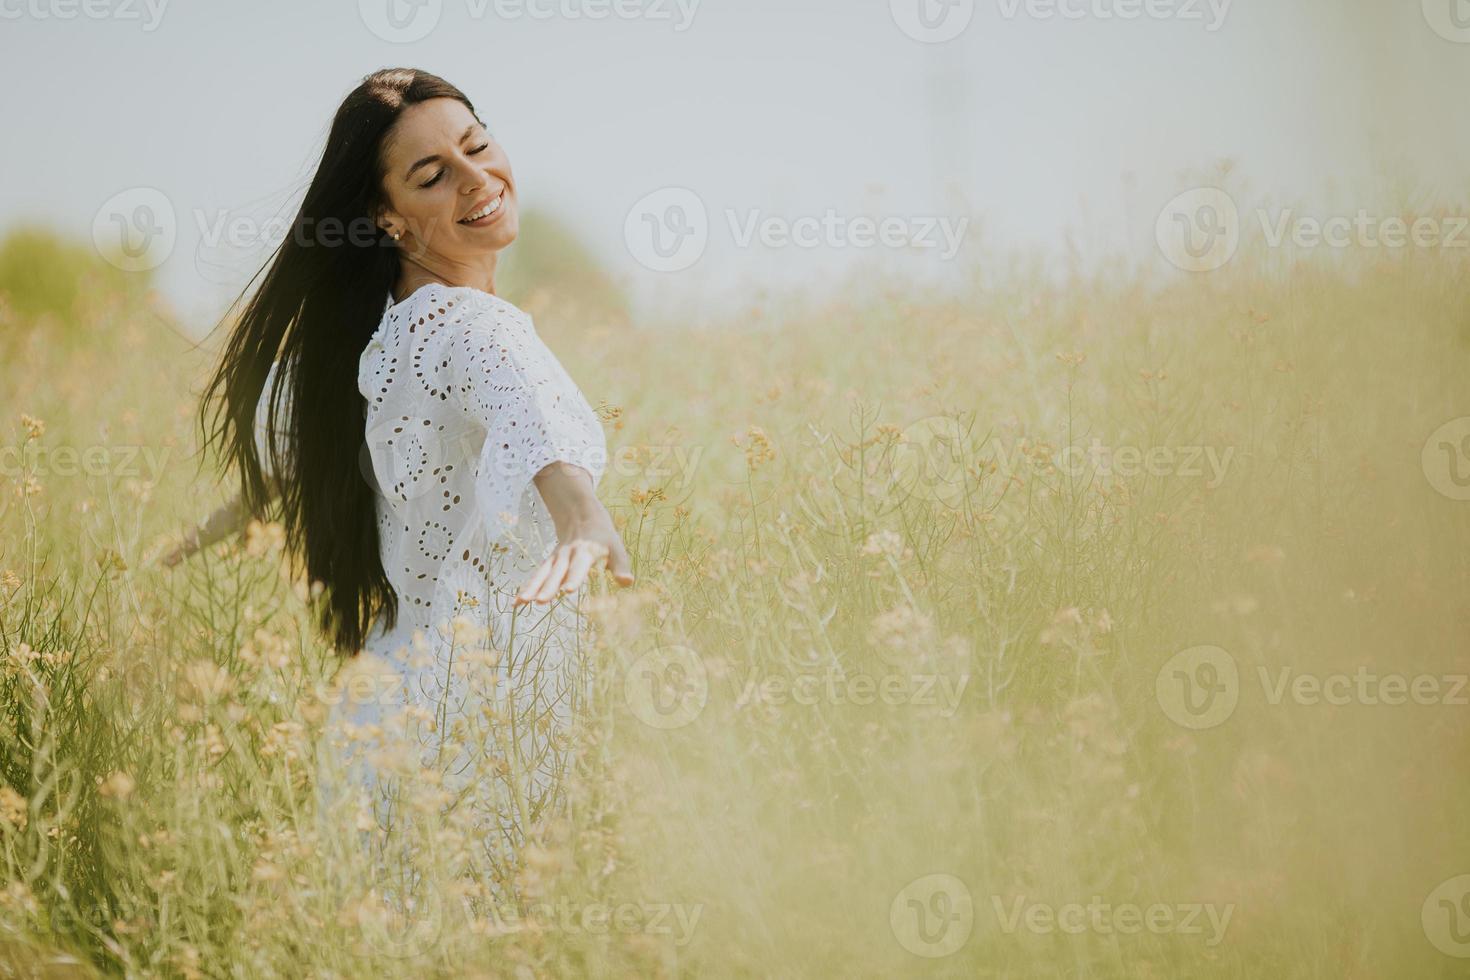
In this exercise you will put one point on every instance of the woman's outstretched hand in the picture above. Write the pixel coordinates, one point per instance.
(176, 554)
(595, 544)
(225, 520)
(585, 535)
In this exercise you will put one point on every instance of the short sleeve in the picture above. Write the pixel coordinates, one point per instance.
(262, 423)
(504, 376)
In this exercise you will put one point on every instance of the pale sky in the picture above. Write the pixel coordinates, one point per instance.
(1080, 122)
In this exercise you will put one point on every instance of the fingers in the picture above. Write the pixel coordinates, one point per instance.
(581, 562)
(570, 573)
(553, 579)
(533, 584)
(620, 564)
(556, 568)
(551, 588)
(567, 570)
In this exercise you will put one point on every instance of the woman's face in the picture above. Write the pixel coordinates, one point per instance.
(443, 170)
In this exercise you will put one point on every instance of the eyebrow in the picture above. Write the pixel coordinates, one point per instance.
(434, 156)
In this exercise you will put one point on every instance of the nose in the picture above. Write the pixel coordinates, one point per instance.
(472, 175)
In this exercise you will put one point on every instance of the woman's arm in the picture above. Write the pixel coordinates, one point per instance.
(229, 519)
(584, 532)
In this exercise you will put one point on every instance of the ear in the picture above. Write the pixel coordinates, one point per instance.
(386, 218)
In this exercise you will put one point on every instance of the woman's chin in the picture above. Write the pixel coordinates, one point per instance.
(503, 240)
(493, 238)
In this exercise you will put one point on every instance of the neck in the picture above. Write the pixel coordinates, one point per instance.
(420, 270)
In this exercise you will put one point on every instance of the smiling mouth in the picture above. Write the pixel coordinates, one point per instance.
(486, 212)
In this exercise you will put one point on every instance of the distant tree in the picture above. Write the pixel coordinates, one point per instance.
(43, 272)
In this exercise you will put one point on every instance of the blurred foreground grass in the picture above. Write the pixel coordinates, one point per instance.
(1051, 630)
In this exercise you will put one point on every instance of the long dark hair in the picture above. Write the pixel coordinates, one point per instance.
(322, 297)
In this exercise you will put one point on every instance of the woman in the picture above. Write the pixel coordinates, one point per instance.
(428, 451)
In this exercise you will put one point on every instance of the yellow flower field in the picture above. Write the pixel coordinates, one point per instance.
(1097, 627)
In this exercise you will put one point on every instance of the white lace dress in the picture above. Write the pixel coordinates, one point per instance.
(464, 404)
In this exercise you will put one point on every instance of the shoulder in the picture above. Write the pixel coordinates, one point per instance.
(436, 315)
(480, 323)
(437, 336)
(437, 303)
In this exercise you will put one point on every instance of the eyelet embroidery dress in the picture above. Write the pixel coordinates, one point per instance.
(464, 404)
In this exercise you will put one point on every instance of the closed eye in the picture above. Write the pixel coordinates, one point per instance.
(435, 179)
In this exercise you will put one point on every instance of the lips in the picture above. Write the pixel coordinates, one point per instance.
(484, 211)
